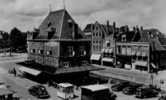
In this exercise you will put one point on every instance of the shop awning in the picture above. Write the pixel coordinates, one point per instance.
(76, 69)
(141, 63)
(95, 57)
(30, 71)
(107, 59)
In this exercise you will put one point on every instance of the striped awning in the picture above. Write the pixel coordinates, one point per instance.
(95, 57)
(107, 59)
(30, 71)
(141, 63)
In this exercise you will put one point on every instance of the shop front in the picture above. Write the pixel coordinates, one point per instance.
(95, 59)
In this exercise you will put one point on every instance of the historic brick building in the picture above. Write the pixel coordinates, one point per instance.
(101, 39)
(137, 49)
(59, 42)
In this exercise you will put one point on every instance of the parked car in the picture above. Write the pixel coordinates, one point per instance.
(131, 89)
(162, 98)
(162, 95)
(120, 86)
(146, 92)
(39, 91)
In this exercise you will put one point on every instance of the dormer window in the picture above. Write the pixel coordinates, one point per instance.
(124, 38)
(70, 23)
(49, 24)
(51, 31)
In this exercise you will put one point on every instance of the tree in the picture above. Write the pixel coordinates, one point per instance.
(4, 40)
(17, 39)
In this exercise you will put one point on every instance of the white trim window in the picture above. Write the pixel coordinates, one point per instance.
(41, 52)
(49, 52)
(32, 51)
(82, 51)
(71, 52)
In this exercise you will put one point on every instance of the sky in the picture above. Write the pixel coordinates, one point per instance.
(28, 14)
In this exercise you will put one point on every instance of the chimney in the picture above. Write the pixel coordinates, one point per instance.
(114, 28)
(134, 29)
(141, 28)
(108, 26)
(114, 25)
(137, 28)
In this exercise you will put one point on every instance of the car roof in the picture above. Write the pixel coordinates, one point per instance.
(65, 85)
(96, 87)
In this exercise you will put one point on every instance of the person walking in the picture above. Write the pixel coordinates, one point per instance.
(14, 72)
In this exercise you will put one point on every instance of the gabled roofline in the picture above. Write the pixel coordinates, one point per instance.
(62, 23)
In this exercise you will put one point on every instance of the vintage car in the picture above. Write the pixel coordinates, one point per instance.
(120, 86)
(146, 92)
(131, 89)
(39, 91)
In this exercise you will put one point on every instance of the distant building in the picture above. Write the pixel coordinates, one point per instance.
(59, 42)
(99, 33)
(138, 49)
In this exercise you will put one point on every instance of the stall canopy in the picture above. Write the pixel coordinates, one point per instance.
(95, 57)
(141, 63)
(30, 71)
(107, 59)
(96, 87)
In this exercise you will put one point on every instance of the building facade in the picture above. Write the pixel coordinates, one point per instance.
(136, 50)
(59, 42)
(101, 39)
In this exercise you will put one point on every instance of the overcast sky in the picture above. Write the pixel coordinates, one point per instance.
(27, 14)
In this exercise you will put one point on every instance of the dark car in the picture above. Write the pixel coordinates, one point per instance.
(120, 86)
(162, 98)
(113, 96)
(146, 92)
(39, 91)
(131, 89)
(162, 95)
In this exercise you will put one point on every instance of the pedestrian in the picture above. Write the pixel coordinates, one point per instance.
(14, 71)
(9, 71)
(50, 82)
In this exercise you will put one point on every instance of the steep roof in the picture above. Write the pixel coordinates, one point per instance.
(146, 34)
(88, 28)
(162, 40)
(57, 22)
